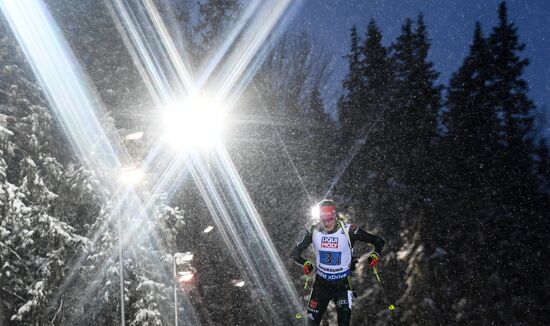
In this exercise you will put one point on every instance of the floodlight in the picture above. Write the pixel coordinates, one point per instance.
(186, 276)
(131, 176)
(239, 284)
(134, 136)
(194, 123)
(184, 257)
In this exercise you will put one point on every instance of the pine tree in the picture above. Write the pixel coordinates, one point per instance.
(17, 89)
(410, 177)
(495, 209)
(396, 121)
(470, 146)
(473, 125)
(289, 86)
(37, 244)
(368, 170)
(49, 206)
(350, 104)
(542, 166)
(519, 216)
(419, 101)
(377, 74)
(322, 142)
(152, 296)
(215, 17)
(410, 121)
(512, 105)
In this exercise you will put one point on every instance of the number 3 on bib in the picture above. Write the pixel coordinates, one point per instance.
(332, 258)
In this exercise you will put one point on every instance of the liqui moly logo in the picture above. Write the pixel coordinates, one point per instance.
(329, 242)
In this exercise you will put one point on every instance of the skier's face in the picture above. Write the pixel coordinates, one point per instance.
(329, 222)
(327, 215)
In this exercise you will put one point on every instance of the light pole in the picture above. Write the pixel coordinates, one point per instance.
(121, 272)
(178, 259)
(175, 293)
(128, 177)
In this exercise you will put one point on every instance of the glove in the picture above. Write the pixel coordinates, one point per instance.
(308, 267)
(373, 259)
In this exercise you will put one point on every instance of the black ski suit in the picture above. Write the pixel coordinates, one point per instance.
(324, 290)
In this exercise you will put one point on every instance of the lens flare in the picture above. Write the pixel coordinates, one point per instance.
(167, 78)
(131, 176)
(196, 123)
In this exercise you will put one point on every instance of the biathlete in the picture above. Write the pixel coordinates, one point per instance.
(333, 242)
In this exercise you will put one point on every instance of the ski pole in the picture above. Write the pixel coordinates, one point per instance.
(375, 270)
(299, 315)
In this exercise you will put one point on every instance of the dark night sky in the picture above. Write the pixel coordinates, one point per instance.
(450, 26)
